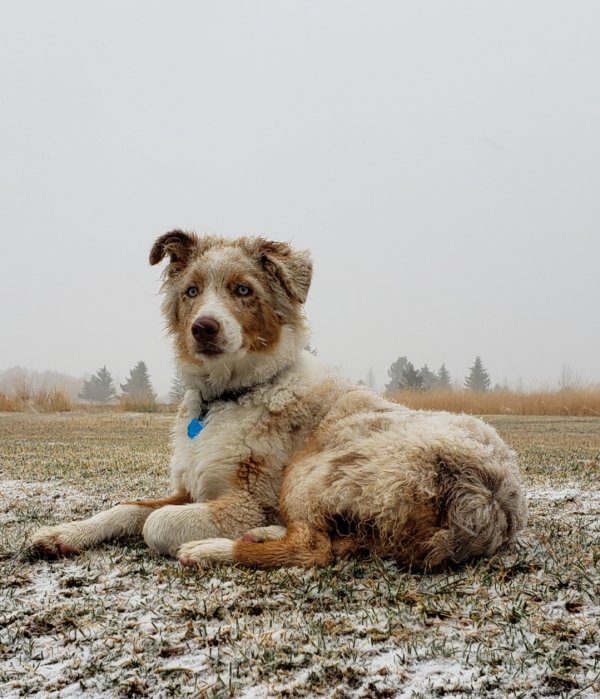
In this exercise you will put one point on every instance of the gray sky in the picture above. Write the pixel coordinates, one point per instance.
(440, 159)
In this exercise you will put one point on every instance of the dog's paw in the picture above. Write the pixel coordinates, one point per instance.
(261, 534)
(55, 541)
(206, 551)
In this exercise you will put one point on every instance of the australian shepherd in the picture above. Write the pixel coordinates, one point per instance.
(278, 461)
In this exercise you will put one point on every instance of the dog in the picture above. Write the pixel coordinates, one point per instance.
(277, 460)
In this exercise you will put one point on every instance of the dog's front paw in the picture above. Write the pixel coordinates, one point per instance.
(261, 534)
(206, 551)
(59, 540)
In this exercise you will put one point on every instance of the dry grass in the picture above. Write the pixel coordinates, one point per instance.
(122, 621)
(576, 403)
(10, 403)
(46, 400)
(567, 402)
(137, 405)
(53, 400)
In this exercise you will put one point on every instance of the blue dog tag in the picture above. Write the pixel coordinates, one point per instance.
(194, 428)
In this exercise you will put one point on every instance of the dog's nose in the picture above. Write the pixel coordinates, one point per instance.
(205, 328)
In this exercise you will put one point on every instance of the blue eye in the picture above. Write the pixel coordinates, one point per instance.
(191, 291)
(243, 290)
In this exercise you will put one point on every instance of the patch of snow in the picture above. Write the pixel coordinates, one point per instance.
(438, 676)
(60, 497)
(44, 582)
(564, 495)
(192, 662)
(258, 692)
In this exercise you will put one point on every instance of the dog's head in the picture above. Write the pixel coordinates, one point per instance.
(229, 300)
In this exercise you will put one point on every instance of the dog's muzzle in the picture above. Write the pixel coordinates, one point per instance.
(206, 332)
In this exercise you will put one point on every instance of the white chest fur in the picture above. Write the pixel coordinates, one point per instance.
(206, 466)
(255, 428)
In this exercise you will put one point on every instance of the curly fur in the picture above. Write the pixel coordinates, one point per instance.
(295, 465)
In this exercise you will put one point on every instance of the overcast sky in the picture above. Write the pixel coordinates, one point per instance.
(440, 159)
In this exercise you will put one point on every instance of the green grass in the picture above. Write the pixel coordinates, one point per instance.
(122, 621)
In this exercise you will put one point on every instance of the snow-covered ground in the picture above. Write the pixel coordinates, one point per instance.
(122, 621)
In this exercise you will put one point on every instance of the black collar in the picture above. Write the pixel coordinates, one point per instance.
(234, 395)
(225, 397)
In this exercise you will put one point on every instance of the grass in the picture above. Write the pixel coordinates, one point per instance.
(55, 400)
(569, 402)
(575, 402)
(46, 400)
(137, 405)
(122, 621)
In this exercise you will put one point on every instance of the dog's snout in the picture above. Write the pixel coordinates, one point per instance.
(205, 328)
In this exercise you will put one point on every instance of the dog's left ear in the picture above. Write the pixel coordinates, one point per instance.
(178, 245)
(290, 268)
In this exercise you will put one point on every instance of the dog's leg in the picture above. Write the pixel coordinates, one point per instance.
(121, 521)
(230, 516)
(259, 535)
(302, 546)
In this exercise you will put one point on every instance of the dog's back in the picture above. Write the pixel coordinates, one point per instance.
(424, 488)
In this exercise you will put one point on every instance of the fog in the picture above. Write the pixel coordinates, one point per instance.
(440, 160)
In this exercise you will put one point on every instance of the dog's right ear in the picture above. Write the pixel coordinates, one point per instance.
(178, 245)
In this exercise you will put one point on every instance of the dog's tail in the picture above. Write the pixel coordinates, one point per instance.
(482, 507)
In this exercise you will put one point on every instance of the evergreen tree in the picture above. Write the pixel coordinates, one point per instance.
(443, 379)
(478, 379)
(395, 373)
(138, 387)
(430, 380)
(411, 379)
(177, 390)
(99, 388)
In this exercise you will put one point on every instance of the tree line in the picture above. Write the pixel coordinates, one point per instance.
(100, 387)
(405, 377)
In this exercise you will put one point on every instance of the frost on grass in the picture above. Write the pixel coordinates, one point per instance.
(17, 496)
(122, 621)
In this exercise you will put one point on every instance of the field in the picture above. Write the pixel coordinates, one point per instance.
(122, 621)
(583, 402)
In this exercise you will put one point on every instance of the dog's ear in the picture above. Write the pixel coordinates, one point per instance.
(291, 269)
(178, 245)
